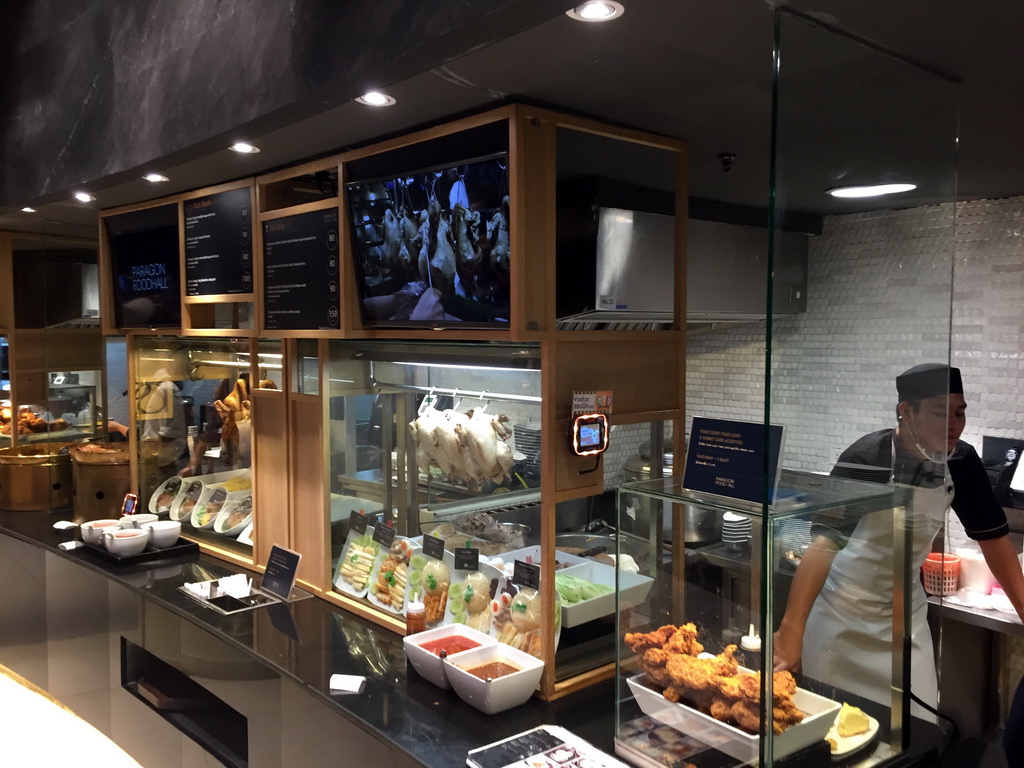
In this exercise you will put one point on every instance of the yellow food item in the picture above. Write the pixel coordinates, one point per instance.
(240, 483)
(852, 721)
(832, 743)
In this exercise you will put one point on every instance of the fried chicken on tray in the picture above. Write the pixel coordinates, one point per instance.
(715, 686)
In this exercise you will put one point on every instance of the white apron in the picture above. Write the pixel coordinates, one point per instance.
(848, 639)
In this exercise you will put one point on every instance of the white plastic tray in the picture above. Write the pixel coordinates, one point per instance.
(633, 588)
(819, 715)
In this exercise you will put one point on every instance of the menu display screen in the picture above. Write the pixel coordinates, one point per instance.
(145, 267)
(300, 271)
(218, 243)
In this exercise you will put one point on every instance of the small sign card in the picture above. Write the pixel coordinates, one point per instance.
(383, 534)
(467, 559)
(526, 575)
(282, 567)
(433, 546)
(357, 522)
(727, 458)
(595, 401)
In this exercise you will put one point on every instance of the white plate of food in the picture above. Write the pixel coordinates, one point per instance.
(388, 586)
(211, 502)
(470, 595)
(165, 495)
(352, 575)
(186, 500)
(596, 584)
(860, 727)
(819, 713)
(429, 580)
(235, 515)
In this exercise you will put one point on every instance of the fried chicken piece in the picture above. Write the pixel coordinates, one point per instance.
(684, 641)
(701, 674)
(783, 686)
(639, 642)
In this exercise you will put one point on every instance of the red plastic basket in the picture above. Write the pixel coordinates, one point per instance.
(941, 573)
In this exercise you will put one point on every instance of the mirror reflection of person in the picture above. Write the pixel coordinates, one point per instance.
(838, 619)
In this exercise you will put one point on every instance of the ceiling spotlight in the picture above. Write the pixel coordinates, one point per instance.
(376, 99)
(155, 177)
(84, 197)
(872, 190)
(245, 148)
(596, 10)
(26, 209)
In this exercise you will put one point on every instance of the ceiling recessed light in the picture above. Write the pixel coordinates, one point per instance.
(26, 209)
(376, 99)
(871, 190)
(245, 148)
(596, 10)
(84, 197)
(155, 177)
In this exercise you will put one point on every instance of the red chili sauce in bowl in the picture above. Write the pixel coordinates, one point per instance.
(493, 670)
(446, 646)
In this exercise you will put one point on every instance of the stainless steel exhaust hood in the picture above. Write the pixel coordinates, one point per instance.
(633, 266)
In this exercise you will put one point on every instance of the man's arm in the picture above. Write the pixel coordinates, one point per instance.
(807, 583)
(1002, 561)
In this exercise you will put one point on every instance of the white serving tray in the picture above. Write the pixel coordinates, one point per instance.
(633, 589)
(819, 715)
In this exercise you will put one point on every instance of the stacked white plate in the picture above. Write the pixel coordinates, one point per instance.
(735, 530)
(526, 436)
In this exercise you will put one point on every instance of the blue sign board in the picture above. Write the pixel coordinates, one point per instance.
(727, 458)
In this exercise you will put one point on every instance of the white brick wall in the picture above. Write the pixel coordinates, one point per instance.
(878, 301)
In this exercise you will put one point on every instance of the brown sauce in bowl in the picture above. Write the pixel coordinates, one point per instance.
(493, 670)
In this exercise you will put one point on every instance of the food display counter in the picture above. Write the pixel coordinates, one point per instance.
(266, 673)
(192, 438)
(693, 653)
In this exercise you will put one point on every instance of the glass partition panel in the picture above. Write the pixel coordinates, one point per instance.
(879, 301)
(193, 414)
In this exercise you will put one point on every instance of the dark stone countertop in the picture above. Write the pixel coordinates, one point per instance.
(432, 725)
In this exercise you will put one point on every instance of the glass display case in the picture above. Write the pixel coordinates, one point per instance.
(436, 438)
(193, 421)
(70, 411)
(693, 650)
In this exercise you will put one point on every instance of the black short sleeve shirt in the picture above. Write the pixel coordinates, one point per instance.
(870, 459)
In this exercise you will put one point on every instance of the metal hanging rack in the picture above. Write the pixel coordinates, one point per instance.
(456, 393)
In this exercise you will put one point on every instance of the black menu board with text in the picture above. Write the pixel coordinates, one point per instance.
(300, 271)
(218, 243)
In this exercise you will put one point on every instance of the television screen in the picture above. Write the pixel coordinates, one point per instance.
(432, 247)
(145, 264)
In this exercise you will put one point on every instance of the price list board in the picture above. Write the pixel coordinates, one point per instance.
(300, 270)
(218, 243)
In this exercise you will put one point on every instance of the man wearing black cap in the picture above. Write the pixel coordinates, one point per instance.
(838, 619)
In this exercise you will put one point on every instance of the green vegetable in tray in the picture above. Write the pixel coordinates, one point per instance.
(574, 590)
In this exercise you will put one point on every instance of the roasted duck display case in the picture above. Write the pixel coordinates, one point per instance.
(441, 443)
(695, 654)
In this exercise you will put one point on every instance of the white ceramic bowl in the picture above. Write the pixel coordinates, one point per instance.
(500, 693)
(428, 664)
(163, 533)
(92, 530)
(125, 542)
(135, 521)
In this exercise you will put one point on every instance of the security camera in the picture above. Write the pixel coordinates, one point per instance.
(726, 159)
